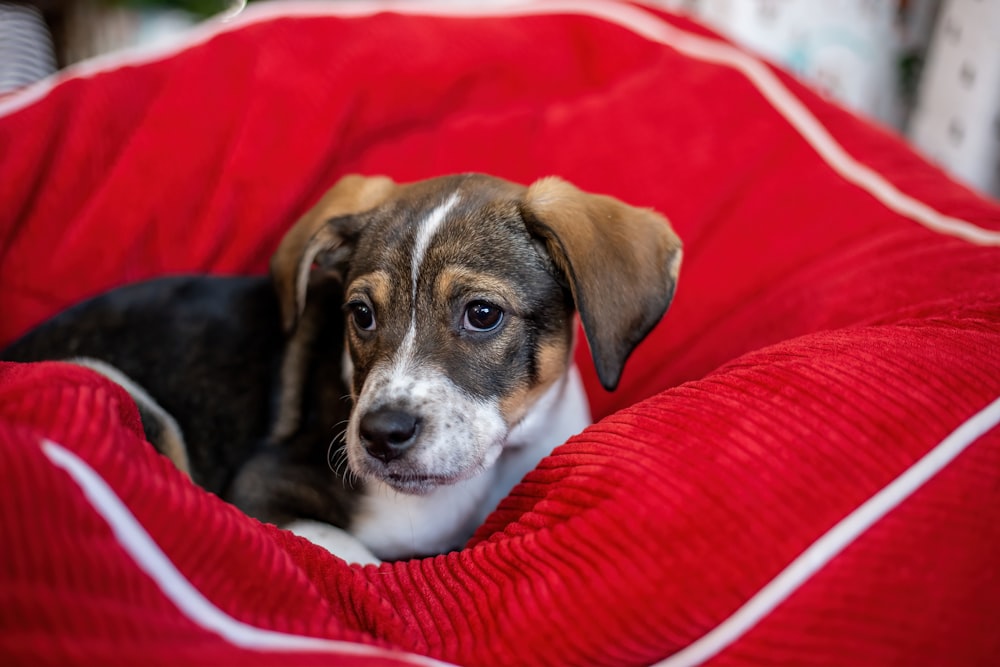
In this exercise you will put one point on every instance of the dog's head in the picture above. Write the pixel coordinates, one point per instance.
(460, 294)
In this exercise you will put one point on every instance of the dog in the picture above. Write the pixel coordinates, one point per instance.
(416, 339)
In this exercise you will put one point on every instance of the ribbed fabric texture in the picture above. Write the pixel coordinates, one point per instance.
(71, 594)
(820, 345)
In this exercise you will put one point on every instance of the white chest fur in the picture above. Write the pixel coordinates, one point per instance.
(395, 525)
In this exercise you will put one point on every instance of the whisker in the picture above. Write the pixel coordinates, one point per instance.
(340, 465)
(332, 455)
(342, 422)
(344, 471)
(339, 438)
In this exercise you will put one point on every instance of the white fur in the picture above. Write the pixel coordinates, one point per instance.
(334, 540)
(562, 412)
(428, 228)
(396, 525)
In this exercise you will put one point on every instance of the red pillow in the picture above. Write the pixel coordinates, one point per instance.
(801, 464)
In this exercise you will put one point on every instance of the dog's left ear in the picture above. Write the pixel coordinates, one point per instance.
(621, 264)
(324, 235)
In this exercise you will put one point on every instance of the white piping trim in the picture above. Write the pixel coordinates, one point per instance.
(835, 540)
(149, 558)
(630, 17)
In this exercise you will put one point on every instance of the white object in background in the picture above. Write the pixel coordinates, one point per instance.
(26, 53)
(957, 119)
(850, 50)
(847, 49)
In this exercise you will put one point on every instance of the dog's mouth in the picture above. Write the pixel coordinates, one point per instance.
(417, 480)
(415, 484)
(415, 477)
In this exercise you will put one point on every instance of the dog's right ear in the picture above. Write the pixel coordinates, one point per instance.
(323, 236)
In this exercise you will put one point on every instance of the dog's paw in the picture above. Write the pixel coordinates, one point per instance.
(333, 539)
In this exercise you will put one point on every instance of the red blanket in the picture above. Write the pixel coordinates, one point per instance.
(802, 464)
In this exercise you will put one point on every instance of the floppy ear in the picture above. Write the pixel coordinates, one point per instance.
(621, 264)
(325, 235)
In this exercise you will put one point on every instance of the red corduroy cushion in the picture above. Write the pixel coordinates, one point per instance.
(801, 465)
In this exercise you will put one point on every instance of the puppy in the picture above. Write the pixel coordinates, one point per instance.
(416, 339)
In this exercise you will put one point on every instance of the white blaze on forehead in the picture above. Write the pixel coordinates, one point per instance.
(429, 226)
(426, 231)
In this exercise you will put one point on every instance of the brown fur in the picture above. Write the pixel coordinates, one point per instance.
(553, 359)
(622, 264)
(352, 194)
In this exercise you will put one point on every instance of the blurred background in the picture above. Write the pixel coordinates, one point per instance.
(927, 69)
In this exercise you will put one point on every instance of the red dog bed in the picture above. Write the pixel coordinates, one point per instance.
(802, 464)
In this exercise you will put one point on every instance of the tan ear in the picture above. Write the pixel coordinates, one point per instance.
(621, 263)
(324, 228)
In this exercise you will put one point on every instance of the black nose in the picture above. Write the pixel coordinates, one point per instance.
(387, 434)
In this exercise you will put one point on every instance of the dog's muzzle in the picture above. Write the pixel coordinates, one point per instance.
(418, 432)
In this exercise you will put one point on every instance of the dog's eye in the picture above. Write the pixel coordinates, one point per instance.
(482, 316)
(364, 318)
